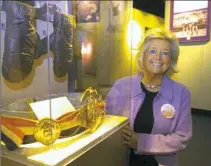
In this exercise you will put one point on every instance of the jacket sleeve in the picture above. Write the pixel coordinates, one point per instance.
(158, 144)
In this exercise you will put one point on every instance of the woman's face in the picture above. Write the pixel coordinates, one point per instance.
(157, 58)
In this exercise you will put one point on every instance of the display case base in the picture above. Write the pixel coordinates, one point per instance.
(104, 147)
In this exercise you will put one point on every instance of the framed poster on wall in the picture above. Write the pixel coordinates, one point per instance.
(88, 11)
(190, 20)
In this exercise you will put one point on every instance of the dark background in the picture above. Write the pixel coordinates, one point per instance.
(156, 7)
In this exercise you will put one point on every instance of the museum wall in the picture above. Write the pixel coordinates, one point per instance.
(112, 57)
(194, 67)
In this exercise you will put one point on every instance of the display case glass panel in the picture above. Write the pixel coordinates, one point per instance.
(58, 61)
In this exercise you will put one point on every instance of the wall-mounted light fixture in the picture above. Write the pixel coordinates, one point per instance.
(87, 52)
(86, 48)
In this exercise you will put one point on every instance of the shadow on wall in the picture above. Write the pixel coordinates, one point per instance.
(26, 82)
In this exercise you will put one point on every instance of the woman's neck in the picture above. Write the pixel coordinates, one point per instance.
(151, 79)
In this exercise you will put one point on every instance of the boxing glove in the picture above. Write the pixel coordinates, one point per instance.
(61, 43)
(20, 39)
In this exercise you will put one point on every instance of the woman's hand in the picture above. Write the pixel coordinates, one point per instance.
(129, 137)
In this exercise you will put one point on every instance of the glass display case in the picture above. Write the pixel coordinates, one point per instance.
(58, 61)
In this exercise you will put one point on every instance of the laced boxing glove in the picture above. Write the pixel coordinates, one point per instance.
(61, 43)
(20, 39)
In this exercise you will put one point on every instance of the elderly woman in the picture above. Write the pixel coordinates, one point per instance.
(158, 107)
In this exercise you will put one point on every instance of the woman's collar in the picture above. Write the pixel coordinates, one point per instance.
(166, 89)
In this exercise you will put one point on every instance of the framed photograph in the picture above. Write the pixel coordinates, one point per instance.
(190, 20)
(87, 11)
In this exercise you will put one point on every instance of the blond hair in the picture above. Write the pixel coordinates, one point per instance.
(165, 35)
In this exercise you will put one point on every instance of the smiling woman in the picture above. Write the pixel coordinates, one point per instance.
(157, 57)
(162, 43)
(158, 109)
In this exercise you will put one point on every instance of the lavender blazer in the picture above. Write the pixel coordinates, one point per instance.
(169, 135)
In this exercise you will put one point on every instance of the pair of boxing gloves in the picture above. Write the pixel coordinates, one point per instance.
(22, 44)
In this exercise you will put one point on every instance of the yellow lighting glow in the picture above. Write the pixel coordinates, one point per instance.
(136, 28)
(86, 48)
(134, 34)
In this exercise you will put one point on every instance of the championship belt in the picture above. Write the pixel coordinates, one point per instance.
(47, 130)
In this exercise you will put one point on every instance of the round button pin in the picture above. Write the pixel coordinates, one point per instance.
(168, 111)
